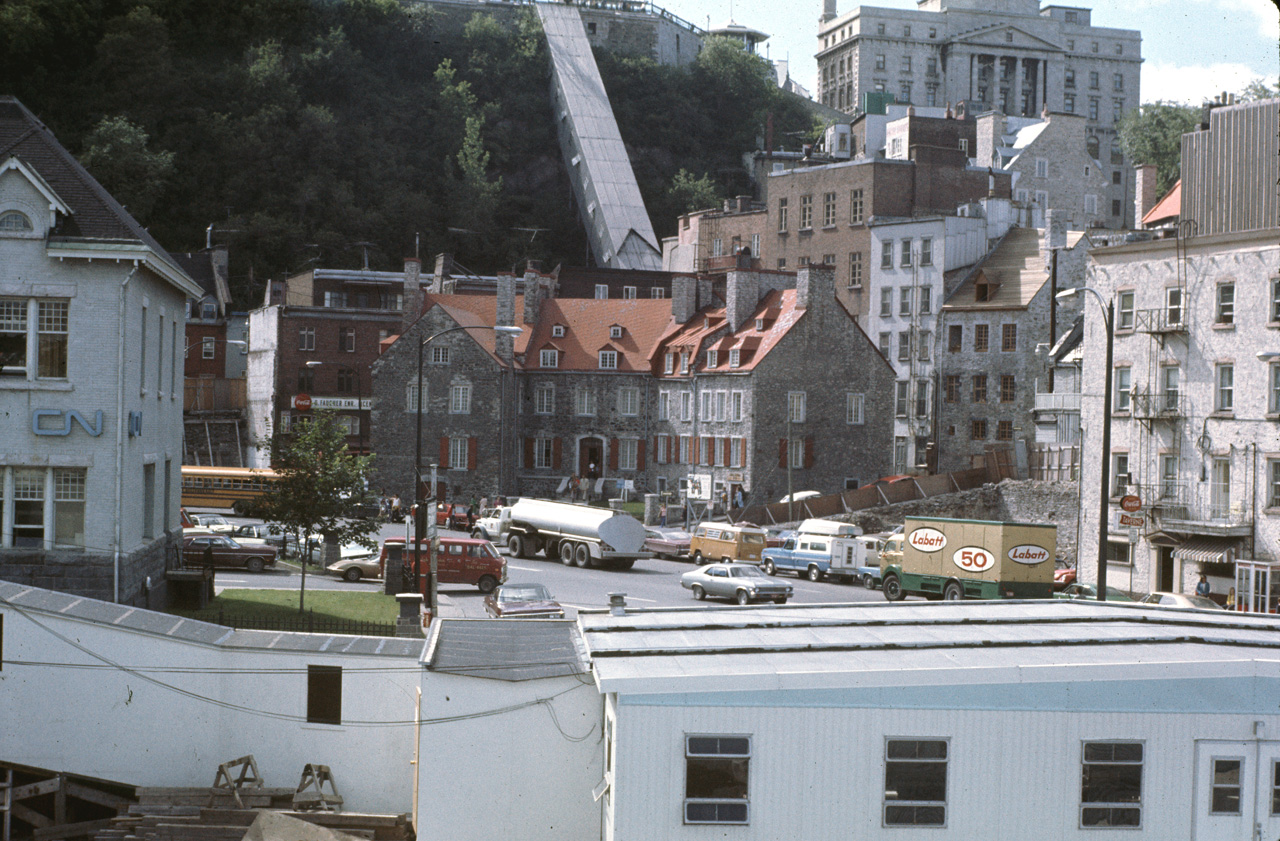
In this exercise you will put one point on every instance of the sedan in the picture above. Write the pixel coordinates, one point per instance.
(1088, 591)
(744, 583)
(522, 601)
(1182, 600)
(221, 551)
(356, 562)
(269, 532)
(667, 542)
(212, 522)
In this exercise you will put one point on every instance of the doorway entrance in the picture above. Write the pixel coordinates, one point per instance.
(591, 458)
(1164, 571)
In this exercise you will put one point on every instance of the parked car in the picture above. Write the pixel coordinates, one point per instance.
(744, 583)
(522, 601)
(669, 543)
(356, 562)
(1181, 600)
(212, 522)
(1088, 591)
(452, 515)
(271, 533)
(223, 551)
(1063, 574)
(461, 560)
(728, 542)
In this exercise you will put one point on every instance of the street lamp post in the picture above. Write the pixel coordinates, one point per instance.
(1108, 322)
(419, 523)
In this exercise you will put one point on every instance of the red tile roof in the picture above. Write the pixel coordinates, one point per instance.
(1169, 207)
(776, 308)
(586, 323)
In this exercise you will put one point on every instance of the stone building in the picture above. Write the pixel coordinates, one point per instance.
(1006, 55)
(994, 333)
(91, 334)
(1196, 381)
(710, 240)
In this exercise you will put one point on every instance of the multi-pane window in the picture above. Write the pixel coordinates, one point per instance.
(796, 406)
(1008, 338)
(686, 449)
(915, 782)
(796, 453)
(755, 249)
(628, 452)
(668, 363)
(1168, 477)
(926, 300)
(713, 358)
(411, 396)
(1120, 479)
(439, 355)
(306, 380)
(1008, 388)
(855, 269)
(952, 384)
(664, 405)
(1225, 787)
(735, 407)
(955, 338)
(904, 346)
(460, 399)
(855, 404)
(306, 338)
(806, 212)
(584, 402)
(347, 340)
(1124, 311)
(717, 247)
(886, 254)
(1273, 486)
(602, 291)
(1173, 305)
(1042, 167)
(735, 357)
(922, 398)
(1111, 784)
(905, 252)
(979, 388)
(608, 359)
(459, 454)
(686, 405)
(981, 337)
(1123, 380)
(886, 302)
(208, 347)
(548, 358)
(782, 215)
(346, 380)
(1170, 376)
(1226, 303)
(923, 344)
(629, 401)
(735, 452)
(904, 301)
(1275, 299)
(715, 779)
(855, 206)
(544, 399)
(828, 209)
(900, 397)
(1224, 392)
(707, 410)
(722, 405)
(1004, 430)
(543, 452)
(68, 506)
(978, 430)
(884, 344)
(926, 251)
(28, 507)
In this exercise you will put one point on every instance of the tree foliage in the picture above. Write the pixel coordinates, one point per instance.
(117, 151)
(692, 193)
(320, 482)
(1153, 133)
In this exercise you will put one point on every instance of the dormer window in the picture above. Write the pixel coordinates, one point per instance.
(706, 323)
(549, 358)
(14, 222)
(985, 290)
(602, 291)
(669, 363)
(615, 332)
(733, 358)
(557, 331)
(759, 325)
(684, 362)
(713, 358)
(608, 360)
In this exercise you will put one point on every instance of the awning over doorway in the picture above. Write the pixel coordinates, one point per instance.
(1207, 550)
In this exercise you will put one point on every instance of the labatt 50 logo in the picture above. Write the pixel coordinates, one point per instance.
(1028, 553)
(927, 539)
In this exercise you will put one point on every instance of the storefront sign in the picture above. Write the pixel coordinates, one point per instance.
(1125, 521)
(62, 426)
(302, 402)
(1131, 503)
(305, 402)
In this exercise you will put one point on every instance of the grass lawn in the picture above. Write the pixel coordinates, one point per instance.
(283, 604)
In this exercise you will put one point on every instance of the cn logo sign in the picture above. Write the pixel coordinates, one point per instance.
(973, 559)
(62, 424)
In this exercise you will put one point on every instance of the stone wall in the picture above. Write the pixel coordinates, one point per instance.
(92, 574)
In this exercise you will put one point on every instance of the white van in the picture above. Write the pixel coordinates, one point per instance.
(830, 528)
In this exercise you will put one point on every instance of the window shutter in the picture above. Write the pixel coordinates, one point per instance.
(782, 452)
(808, 451)
(725, 449)
(555, 453)
(708, 451)
(473, 445)
(528, 453)
(657, 452)
(640, 454)
(444, 453)
(613, 453)
(670, 442)
(694, 450)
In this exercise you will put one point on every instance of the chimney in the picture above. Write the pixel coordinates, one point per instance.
(804, 286)
(505, 315)
(1144, 192)
(1055, 229)
(536, 290)
(444, 264)
(742, 293)
(744, 203)
(828, 11)
(684, 297)
(412, 291)
(990, 134)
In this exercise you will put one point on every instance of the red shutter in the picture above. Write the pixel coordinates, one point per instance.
(444, 453)
(555, 453)
(640, 454)
(808, 451)
(726, 451)
(695, 446)
(528, 453)
(782, 452)
(473, 445)
(613, 453)
(657, 448)
(668, 443)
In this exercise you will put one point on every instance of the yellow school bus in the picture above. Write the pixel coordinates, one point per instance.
(224, 487)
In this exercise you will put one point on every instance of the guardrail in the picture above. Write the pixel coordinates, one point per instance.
(1057, 402)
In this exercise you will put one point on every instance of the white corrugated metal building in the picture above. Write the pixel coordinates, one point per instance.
(1007, 720)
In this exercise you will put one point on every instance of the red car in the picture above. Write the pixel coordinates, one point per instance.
(452, 515)
(1063, 576)
(222, 551)
(667, 542)
(522, 601)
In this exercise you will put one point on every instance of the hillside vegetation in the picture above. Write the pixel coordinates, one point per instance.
(327, 133)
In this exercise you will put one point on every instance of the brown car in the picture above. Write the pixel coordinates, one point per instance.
(522, 601)
(220, 550)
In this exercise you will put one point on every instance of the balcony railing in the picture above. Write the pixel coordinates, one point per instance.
(214, 394)
(1160, 321)
(1161, 405)
(1194, 507)
(1047, 401)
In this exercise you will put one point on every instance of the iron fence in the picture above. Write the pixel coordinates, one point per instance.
(306, 623)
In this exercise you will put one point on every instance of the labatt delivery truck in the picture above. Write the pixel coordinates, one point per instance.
(972, 559)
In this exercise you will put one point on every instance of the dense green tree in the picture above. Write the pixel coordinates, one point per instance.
(692, 193)
(117, 153)
(1152, 134)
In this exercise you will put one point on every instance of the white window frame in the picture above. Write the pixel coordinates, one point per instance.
(608, 360)
(664, 405)
(439, 355)
(1123, 389)
(629, 401)
(615, 331)
(548, 358)
(1225, 304)
(736, 402)
(543, 453)
(855, 406)
(1124, 309)
(544, 399)
(459, 453)
(1224, 387)
(628, 293)
(584, 401)
(460, 399)
(686, 405)
(628, 453)
(669, 363)
(796, 406)
(411, 395)
(208, 347)
(735, 452)
(735, 357)
(602, 291)
(713, 358)
(1173, 309)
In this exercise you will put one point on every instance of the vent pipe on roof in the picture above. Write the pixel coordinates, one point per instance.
(618, 604)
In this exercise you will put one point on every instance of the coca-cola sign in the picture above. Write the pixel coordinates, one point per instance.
(927, 539)
(1029, 554)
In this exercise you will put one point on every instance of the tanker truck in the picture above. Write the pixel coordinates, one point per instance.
(579, 535)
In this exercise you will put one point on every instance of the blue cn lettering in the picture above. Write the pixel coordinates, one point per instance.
(71, 414)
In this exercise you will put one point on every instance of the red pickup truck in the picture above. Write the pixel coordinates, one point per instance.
(452, 515)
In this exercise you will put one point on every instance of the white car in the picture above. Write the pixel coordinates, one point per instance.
(1182, 600)
(212, 522)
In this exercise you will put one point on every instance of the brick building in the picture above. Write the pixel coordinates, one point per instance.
(91, 326)
(1005, 55)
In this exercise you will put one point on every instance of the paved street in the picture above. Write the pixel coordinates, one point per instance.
(650, 583)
